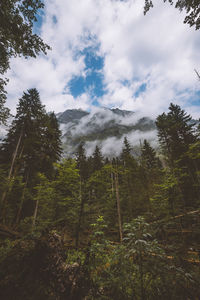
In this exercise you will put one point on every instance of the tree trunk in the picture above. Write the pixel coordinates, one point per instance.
(3, 199)
(80, 216)
(15, 155)
(118, 206)
(111, 175)
(35, 214)
(21, 203)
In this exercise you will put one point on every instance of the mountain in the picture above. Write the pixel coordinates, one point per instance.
(105, 127)
(71, 115)
(102, 126)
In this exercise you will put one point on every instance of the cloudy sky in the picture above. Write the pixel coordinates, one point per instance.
(107, 53)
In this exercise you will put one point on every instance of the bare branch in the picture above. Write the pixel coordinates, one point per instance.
(198, 75)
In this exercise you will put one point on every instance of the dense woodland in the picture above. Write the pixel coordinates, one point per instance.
(126, 227)
(94, 227)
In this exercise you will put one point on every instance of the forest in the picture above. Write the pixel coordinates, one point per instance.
(97, 227)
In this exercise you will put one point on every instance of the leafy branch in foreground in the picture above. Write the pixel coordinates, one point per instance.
(17, 38)
(191, 7)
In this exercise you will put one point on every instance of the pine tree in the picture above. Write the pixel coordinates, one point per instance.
(33, 142)
(82, 162)
(26, 129)
(67, 200)
(176, 134)
(97, 159)
(52, 146)
(148, 156)
(34, 137)
(126, 152)
(83, 171)
(150, 169)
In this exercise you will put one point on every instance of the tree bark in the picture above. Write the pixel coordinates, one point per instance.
(118, 207)
(3, 199)
(111, 175)
(21, 203)
(80, 216)
(35, 214)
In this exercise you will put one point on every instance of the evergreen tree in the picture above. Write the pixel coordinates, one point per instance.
(82, 165)
(102, 196)
(148, 156)
(131, 184)
(126, 152)
(97, 159)
(82, 162)
(52, 146)
(66, 195)
(176, 134)
(33, 142)
(35, 133)
(150, 169)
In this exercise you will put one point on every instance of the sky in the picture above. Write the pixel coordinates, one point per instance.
(106, 53)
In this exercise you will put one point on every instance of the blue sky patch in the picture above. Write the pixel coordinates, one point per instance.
(125, 82)
(195, 100)
(93, 62)
(93, 81)
(37, 25)
(141, 89)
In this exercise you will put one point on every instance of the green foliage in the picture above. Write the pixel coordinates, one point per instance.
(4, 111)
(176, 133)
(191, 7)
(101, 195)
(155, 260)
(167, 197)
(33, 268)
(97, 159)
(99, 259)
(148, 157)
(58, 200)
(44, 196)
(31, 146)
(34, 136)
(126, 152)
(5, 247)
(17, 38)
(82, 162)
(137, 269)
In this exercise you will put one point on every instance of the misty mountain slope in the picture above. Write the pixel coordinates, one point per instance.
(71, 115)
(105, 127)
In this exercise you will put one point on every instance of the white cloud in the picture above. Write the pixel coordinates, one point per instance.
(157, 49)
(102, 120)
(113, 146)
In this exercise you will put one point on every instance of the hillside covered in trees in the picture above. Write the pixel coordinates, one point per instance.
(103, 127)
(95, 227)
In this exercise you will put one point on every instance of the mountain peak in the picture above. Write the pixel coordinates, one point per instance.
(105, 127)
(73, 115)
(121, 112)
(70, 115)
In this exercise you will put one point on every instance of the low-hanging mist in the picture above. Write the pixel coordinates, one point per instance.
(105, 128)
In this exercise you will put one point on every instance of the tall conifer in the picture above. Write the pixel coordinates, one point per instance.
(32, 144)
